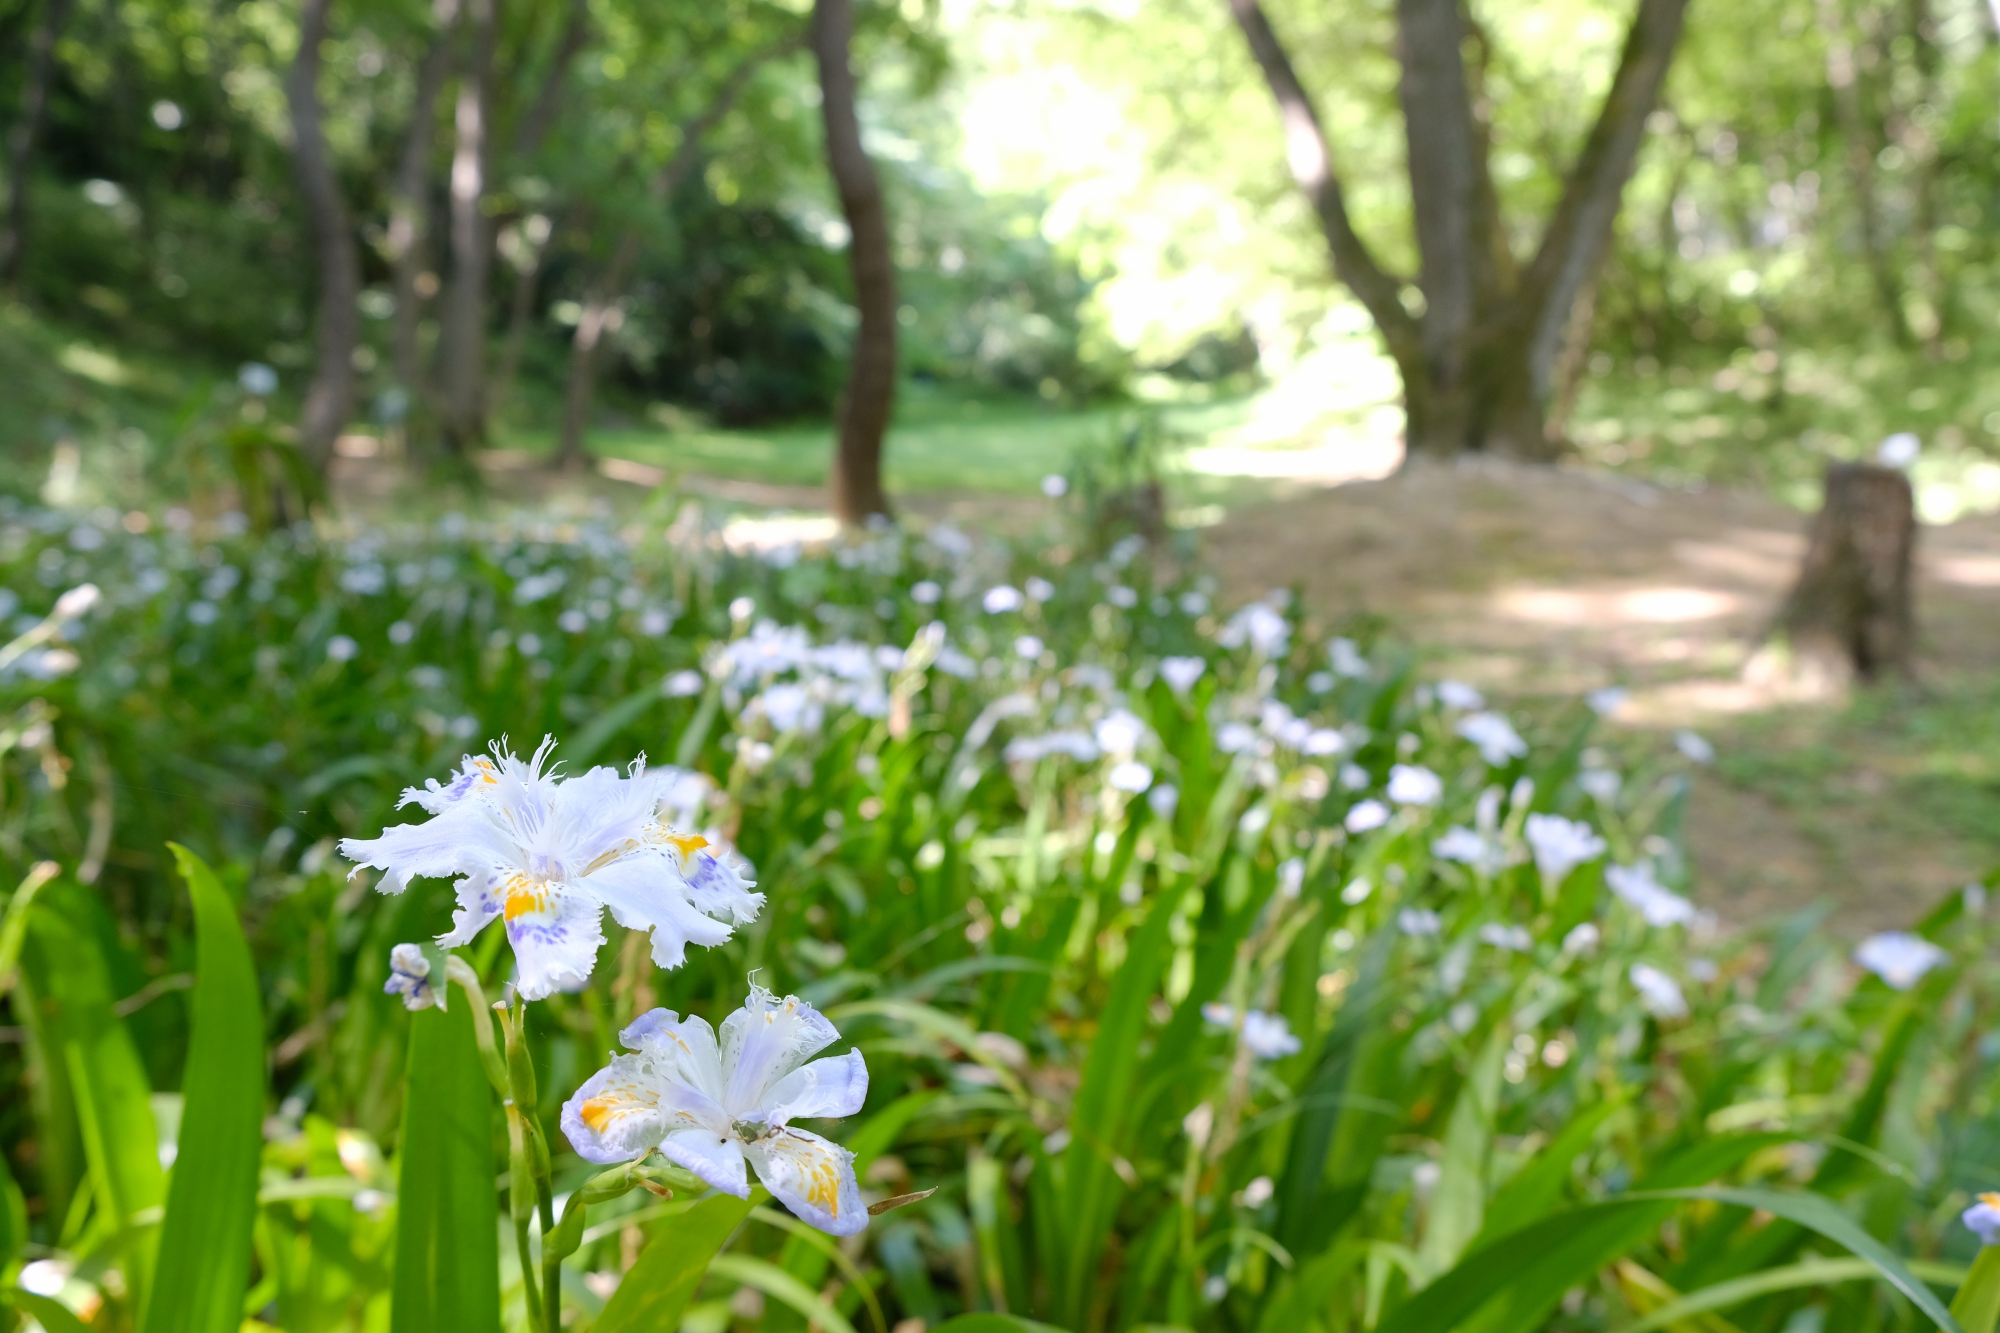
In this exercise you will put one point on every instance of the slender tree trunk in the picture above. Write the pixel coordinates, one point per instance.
(22, 137)
(604, 305)
(407, 208)
(1843, 78)
(464, 332)
(603, 313)
(521, 299)
(529, 136)
(330, 397)
(856, 482)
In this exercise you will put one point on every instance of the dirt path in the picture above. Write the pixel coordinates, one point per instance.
(1541, 582)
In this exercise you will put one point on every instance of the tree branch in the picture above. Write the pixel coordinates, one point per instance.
(603, 308)
(1581, 228)
(541, 117)
(1312, 167)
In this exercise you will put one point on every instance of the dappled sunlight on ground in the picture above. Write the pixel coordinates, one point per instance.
(1543, 583)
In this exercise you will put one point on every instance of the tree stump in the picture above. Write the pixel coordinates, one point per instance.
(1849, 615)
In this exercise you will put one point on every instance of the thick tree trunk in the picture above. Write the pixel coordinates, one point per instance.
(330, 397)
(407, 241)
(22, 137)
(856, 484)
(464, 331)
(1478, 364)
(1850, 613)
(604, 306)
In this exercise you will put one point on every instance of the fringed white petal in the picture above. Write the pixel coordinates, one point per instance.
(764, 1041)
(835, 1086)
(555, 941)
(713, 1155)
(645, 892)
(812, 1177)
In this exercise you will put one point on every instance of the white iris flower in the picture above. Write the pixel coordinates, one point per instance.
(1468, 847)
(410, 977)
(1561, 845)
(1660, 905)
(548, 854)
(1265, 1036)
(1457, 694)
(1413, 784)
(1984, 1218)
(709, 1107)
(1493, 736)
(1898, 957)
(1659, 993)
(1181, 673)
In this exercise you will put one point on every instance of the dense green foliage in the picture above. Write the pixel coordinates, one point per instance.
(1083, 202)
(1501, 1065)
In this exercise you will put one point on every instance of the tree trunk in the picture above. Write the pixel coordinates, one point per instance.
(330, 397)
(464, 332)
(856, 483)
(603, 312)
(529, 136)
(1842, 77)
(1478, 365)
(22, 136)
(407, 248)
(604, 306)
(1849, 614)
(521, 299)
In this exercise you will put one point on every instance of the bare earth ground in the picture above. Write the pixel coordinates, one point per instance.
(1535, 581)
(1540, 583)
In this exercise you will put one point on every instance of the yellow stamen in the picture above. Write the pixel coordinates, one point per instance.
(1990, 1199)
(597, 1113)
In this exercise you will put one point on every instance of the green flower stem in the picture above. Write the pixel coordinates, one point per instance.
(529, 1162)
(457, 970)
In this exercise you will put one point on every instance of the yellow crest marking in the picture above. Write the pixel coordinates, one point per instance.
(524, 895)
(687, 844)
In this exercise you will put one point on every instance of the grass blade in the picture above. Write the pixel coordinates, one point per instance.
(1458, 1202)
(1977, 1305)
(204, 1261)
(994, 1323)
(1539, 1185)
(657, 1290)
(780, 1286)
(51, 1314)
(64, 969)
(1807, 1273)
(1519, 1278)
(1103, 1098)
(1818, 1213)
(448, 1214)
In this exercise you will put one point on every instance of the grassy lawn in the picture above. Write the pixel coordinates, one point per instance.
(942, 439)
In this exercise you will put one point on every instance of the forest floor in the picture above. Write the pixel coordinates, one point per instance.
(1533, 581)
(1539, 583)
